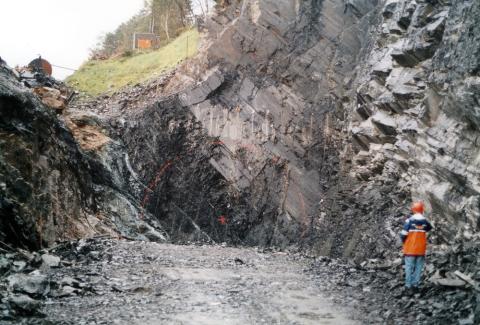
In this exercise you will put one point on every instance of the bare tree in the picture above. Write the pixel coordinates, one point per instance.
(165, 17)
(170, 15)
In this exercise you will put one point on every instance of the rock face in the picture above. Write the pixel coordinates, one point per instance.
(174, 178)
(58, 184)
(280, 71)
(422, 80)
(335, 115)
(309, 123)
(282, 115)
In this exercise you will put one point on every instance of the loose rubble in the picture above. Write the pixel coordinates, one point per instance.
(449, 293)
(130, 98)
(96, 276)
(53, 93)
(104, 281)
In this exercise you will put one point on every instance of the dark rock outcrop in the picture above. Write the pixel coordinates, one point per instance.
(430, 102)
(341, 114)
(301, 123)
(59, 182)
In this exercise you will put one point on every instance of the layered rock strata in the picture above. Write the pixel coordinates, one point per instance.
(341, 113)
(417, 108)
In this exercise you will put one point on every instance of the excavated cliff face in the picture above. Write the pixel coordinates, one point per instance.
(173, 177)
(334, 115)
(281, 82)
(308, 123)
(60, 179)
(417, 108)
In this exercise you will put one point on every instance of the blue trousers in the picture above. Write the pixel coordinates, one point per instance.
(413, 270)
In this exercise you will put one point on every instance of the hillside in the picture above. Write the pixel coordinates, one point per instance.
(99, 76)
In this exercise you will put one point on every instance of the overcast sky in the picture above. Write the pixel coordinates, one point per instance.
(62, 31)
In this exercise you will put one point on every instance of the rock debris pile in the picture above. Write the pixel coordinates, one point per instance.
(25, 284)
(450, 292)
(53, 93)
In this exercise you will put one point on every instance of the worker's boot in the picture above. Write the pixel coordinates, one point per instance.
(419, 290)
(405, 292)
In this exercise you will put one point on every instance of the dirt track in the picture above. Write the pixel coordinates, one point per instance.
(148, 283)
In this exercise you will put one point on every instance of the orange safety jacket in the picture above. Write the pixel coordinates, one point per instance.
(414, 235)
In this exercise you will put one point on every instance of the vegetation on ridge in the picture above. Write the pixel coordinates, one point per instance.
(99, 76)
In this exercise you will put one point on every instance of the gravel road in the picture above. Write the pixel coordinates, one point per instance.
(124, 282)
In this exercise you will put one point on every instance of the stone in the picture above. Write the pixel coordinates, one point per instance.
(385, 123)
(24, 305)
(51, 97)
(390, 8)
(239, 261)
(4, 264)
(404, 84)
(69, 281)
(199, 93)
(467, 279)
(68, 291)
(50, 261)
(436, 28)
(18, 266)
(467, 321)
(406, 17)
(456, 283)
(151, 233)
(34, 284)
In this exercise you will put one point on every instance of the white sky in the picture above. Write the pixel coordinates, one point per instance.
(62, 31)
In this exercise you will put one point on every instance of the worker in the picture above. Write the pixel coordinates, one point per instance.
(414, 238)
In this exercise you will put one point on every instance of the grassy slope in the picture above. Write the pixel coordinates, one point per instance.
(96, 77)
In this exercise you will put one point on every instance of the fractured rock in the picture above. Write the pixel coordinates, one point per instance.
(50, 261)
(51, 97)
(385, 123)
(35, 284)
(200, 92)
(24, 305)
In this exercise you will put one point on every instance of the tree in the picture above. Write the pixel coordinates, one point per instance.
(170, 16)
(165, 18)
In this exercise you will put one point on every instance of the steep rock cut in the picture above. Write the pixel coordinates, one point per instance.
(308, 123)
(334, 115)
(59, 182)
(282, 84)
(169, 156)
(174, 179)
(417, 108)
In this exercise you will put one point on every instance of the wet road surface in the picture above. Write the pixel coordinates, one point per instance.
(147, 283)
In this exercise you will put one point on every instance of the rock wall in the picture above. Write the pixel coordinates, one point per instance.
(175, 180)
(309, 123)
(60, 179)
(277, 95)
(339, 113)
(417, 108)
